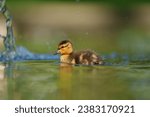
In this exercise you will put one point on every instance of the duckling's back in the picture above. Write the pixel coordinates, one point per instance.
(87, 57)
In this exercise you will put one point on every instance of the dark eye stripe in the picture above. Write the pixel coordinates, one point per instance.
(63, 47)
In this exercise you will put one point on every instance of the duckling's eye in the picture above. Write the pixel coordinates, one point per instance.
(62, 46)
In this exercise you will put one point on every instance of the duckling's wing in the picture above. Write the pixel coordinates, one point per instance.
(87, 57)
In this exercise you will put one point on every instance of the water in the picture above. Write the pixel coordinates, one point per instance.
(49, 80)
(9, 40)
(33, 76)
(27, 75)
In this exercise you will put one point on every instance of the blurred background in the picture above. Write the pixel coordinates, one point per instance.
(106, 26)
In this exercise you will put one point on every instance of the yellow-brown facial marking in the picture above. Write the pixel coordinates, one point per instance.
(65, 48)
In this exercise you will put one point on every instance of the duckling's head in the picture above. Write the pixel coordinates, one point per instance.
(65, 47)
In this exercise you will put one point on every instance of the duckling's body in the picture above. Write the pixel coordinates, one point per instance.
(87, 57)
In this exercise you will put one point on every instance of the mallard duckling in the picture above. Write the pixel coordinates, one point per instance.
(67, 55)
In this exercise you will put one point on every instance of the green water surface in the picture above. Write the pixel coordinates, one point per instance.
(49, 80)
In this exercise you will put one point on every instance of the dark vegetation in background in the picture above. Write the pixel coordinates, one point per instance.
(117, 2)
(120, 4)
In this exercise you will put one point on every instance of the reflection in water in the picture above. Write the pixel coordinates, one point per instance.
(6, 74)
(3, 83)
(65, 80)
(84, 82)
(2, 72)
(98, 84)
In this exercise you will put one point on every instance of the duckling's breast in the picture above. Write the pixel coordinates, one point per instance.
(67, 59)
